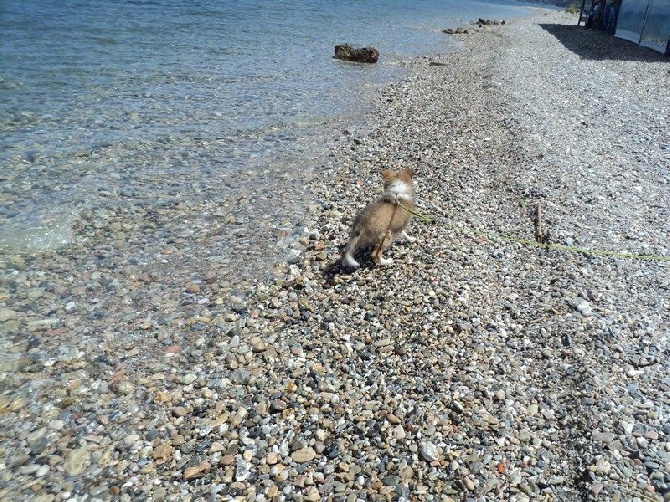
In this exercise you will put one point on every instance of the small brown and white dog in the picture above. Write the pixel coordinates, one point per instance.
(382, 221)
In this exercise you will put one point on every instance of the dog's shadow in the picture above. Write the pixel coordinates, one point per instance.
(337, 268)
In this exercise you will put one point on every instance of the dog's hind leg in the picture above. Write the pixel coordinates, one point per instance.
(348, 259)
(383, 244)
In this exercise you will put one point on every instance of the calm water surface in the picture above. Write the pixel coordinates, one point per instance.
(143, 102)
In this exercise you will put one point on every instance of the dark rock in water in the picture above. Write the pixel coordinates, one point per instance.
(456, 31)
(489, 22)
(350, 53)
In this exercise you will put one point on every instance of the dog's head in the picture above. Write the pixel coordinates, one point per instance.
(398, 181)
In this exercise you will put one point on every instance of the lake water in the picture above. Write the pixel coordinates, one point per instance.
(149, 102)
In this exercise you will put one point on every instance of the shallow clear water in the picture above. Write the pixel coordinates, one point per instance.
(141, 101)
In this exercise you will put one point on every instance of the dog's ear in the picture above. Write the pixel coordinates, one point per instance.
(406, 174)
(388, 175)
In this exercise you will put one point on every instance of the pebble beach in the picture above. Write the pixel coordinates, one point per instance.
(479, 366)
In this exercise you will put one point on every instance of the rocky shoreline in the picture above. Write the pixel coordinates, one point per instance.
(474, 368)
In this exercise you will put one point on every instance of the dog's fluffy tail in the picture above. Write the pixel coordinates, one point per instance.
(348, 259)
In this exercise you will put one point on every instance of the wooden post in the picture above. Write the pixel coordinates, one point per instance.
(581, 11)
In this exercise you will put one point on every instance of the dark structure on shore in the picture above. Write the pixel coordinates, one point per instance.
(644, 22)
